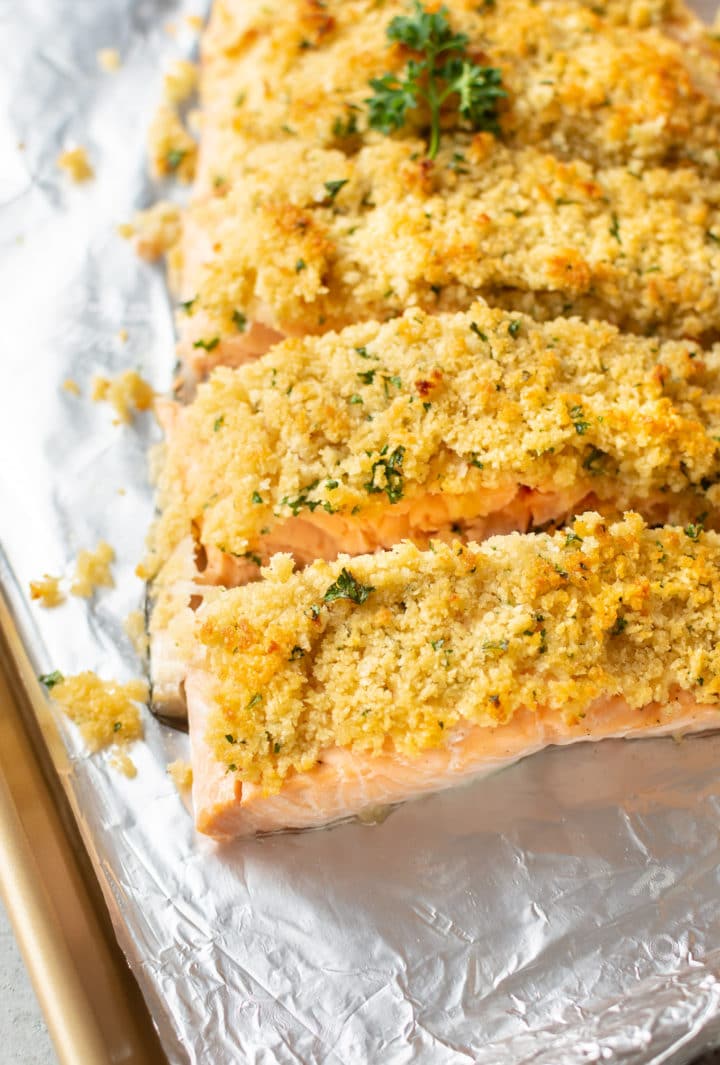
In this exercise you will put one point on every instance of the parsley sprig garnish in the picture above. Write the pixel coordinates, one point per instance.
(443, 71)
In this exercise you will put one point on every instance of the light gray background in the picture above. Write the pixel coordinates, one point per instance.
(24, 1039)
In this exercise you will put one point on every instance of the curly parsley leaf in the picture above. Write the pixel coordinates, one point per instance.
(443, 71)
(346, 587)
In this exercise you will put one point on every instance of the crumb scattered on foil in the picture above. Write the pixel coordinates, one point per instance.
(123, 336)
(127, 392)
(180, 773)
(92, 570)
(108, 59)
(71, 386)
(153, 231)
(136, 630)
(47, 591)
(106, 713)
(172, 151)
(180, 81)
(76, 164)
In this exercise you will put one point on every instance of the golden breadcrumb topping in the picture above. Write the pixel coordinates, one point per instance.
(181, 774)
(47, 591)
(106, 712)
(76, 164)
(380, 417)
(71, 386)
(127, 392)
(180, 81)
(92, 570)
(397, 649)
(154, 231)
(172, 150)
(312, 239)
(108, 60)
(611, 83)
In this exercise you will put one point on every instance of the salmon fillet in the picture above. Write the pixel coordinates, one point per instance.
(434, 426)
(314, 695)
(628, 83)
(517, 227)
(600, 192)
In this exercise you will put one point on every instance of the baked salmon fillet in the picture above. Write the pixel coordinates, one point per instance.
(318, 694)
(434, 426)
(307, 219)
(312, 239)
(625, 83)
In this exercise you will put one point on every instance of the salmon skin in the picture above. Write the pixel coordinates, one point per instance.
(314, 695)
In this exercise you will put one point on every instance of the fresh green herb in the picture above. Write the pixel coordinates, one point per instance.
(572, 538)
(495, 648)
(240, 99)
(577, 416)
(277, 747)
(232, 768)
(117, 725)
(458, 163)
(346, 126)
(51, 679)
(229, 737)
(174, 158)
(252, 557)
(366, 376)
(514, 327)
(394, 380)
(297, 652)
(302, 499)
(693, 530)
(437, 645)
(355, 398)
(346, 587)
(443, 71)
(593, 459)
(475, 461)
(333, 187)
(239, 321)
(618, 626)
(474, 328)
(187, 305)
(208, 345)
(257, 698)
(300, 265)
(218, 423)
(330, 485)
(391, 467)
(712, 236)
(218, 181)
(256, 497)
(615, 228)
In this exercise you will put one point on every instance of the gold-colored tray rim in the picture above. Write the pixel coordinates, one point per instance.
(92, 1005)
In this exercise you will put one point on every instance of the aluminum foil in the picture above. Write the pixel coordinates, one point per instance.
(565, 910)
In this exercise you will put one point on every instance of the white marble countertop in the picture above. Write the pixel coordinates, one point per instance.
(24, 1039)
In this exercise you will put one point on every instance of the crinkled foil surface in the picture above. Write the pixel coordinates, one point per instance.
(565, 910)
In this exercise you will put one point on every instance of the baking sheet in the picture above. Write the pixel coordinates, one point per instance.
(564, 910)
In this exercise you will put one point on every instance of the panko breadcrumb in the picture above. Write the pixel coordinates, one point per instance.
(180, 81)
(92, 570)
(154, 231)
(127, 392)
(76, 164)
(108, 60)
(47, 591)
(394, 650)
(172, 150)
(180, 773)
(106, 712)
